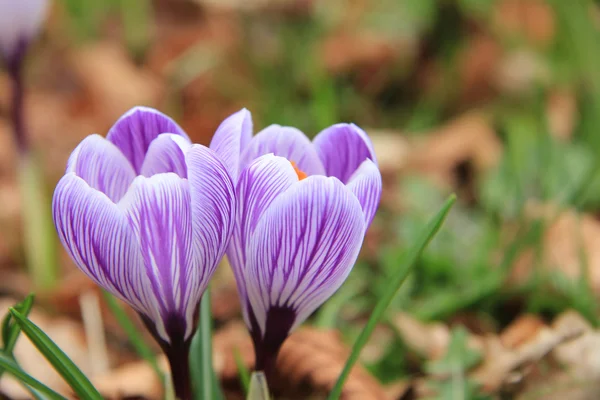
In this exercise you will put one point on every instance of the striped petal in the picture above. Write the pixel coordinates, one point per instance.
(342, 148)
(302, 250)
(137, 128)
(96, 234)
(366, 185)
(166, 154)
(259, 185)
(102, 165)
(213, 205)
(288, 142)
(232, 136)
(159, 212)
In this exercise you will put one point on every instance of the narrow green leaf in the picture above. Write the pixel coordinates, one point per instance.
(134, 336)
(204, 380)
(11, 330)
(259, 389)
(59, 360)
(8, 364)
(242, 370)
(408, 261)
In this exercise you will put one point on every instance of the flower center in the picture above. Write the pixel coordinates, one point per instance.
(301, 174)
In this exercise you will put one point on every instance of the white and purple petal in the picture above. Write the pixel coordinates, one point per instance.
(137, 128)
(20, 21)
(96, 234)
(366, 185)
(102, 165)
(303, 248)
(159, 213)
(342, 148)
(260, 184)
(212, 197)
(166, 154)
(288, 142)
(231, 138)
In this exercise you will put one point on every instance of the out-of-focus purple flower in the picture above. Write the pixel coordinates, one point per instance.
(20, 21)
(148, 216)
(302, 211)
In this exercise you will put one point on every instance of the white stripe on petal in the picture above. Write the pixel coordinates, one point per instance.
(102, 165)
(97, 236)
(288, 142)
(260, 183)
(366, 184)
(231, 138)
(159, 212)
(137, 128)
(303, 247)
(213, 206)
(166, 154)
(342, 148)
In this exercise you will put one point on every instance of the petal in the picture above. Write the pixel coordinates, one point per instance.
(231, 137)
(100, 163)
(260, 183)
(96, 234)
(159, 213)
(342, 148)
(19, 22)
(166, 154)
(303, 248)
(288, 142)
(137, 128)
(366, 185)
(213, 206)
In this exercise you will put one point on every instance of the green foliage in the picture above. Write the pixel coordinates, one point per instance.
(59, 360)
(450, 380)
(408, 261)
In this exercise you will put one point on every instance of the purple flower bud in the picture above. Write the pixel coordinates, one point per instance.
(20, 21)
(148, 216)
(302, 212)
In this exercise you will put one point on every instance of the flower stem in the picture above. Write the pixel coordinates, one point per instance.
(178, 356)
(17, 113)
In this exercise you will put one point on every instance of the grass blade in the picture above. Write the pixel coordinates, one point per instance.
(8, 364)
(407, 263)
(134, 336)
(80, 384)
(206, 385)
(242, 370)
(11, 330)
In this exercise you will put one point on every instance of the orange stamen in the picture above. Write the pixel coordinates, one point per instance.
(301, 174)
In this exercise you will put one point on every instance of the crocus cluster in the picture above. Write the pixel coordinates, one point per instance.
(148, 215)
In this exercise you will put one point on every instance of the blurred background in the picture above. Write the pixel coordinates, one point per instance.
(495, 100)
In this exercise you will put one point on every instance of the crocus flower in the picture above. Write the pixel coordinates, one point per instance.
(20, 21)
(302, 211)
(147, 216)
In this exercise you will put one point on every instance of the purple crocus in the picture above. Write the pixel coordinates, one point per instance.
(20, 21)
(302, 211)
(148, 216)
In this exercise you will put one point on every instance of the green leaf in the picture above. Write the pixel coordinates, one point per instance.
(242, 370)
(396, 281)
(259, 390)
(134, 336)
(204, 381)
(80, 384)
(8, 364)
(10, 330)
